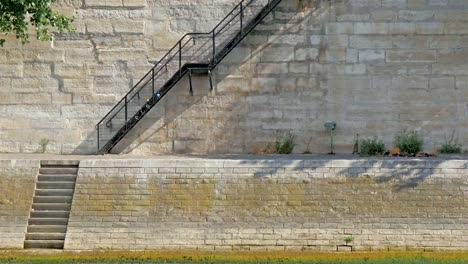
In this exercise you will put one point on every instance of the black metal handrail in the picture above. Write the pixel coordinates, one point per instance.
(177, 54)
(151, 71)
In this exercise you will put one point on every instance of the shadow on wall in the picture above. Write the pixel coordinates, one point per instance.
(201, 129)
(405, 174)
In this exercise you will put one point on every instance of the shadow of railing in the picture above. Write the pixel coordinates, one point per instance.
(404, 173)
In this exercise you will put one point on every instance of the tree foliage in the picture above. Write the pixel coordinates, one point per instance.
(17, 15)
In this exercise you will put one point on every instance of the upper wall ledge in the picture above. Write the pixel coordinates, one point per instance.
(248, 161)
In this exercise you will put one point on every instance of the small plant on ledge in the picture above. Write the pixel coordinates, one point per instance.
(410, 142)
(286, 144)
(372, 147)
(43, 145)
(451, 146)
(307, 150)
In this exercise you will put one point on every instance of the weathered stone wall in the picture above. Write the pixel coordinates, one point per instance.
(375, 67)
(17, 184)
(270, 204)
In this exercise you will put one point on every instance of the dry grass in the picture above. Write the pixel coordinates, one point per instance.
(231, 257)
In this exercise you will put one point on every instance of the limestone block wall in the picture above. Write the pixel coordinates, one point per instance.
(269, 204)
(17, 184)
(375, 67)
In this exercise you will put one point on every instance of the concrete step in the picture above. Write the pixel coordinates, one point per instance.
(56, 177)
(50, 214)
(55, 185)
(47, 229)
(60, 163)
(50, 244)
(48, 221)
(59, 170)
(52, 199)
(45, 236)
(54, 192)
(51, 206)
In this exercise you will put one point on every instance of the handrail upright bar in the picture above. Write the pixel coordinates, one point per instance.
(98, 139)
(180, 55)
(214, 46)
(241, 15)
(126, 109)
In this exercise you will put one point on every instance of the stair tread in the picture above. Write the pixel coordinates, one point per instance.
(48, 218)
(48, 241)
(50, 203)
(57, 175)
(54, 196)
(52, 211)
(56, 181)
(46, 233)
(45, 244)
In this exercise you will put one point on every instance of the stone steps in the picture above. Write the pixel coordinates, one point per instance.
(48, 221)
(45, 244)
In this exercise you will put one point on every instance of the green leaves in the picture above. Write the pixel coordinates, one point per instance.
(17, 15)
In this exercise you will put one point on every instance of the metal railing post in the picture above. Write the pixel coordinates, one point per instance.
(126, 110)
(180, 55)
(152, 80)
(241, 16)
(214, 45)
(98, 143)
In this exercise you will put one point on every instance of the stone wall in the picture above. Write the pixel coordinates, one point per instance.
(375, 67)
(270, 204)
(17, 184)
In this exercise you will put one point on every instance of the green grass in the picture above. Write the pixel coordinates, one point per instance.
(17, 257)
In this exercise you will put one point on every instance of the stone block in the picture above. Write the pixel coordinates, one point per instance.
(455, 28)
(72, 71)
(287, 39)
(34, 84)
(299, 67)
(77, 86)
(341, 28)
(101, 70)
(272, 68)
(102, 3)
(273, 54)
(371, 56)
(411, 15)
(129, 27)
(51, 55)
(412, 56)
(451, 69)
(134, 3)
(25, 99)
(333, 55)
(370, 42)
(11, 70)
(122, 55)
(61, 98)
(306, 54)
(37, 69)
(372, 28)
(99, 27)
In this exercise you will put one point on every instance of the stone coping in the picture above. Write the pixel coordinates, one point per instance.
(234, 161)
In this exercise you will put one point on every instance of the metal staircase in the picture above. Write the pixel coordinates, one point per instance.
(194, 53)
